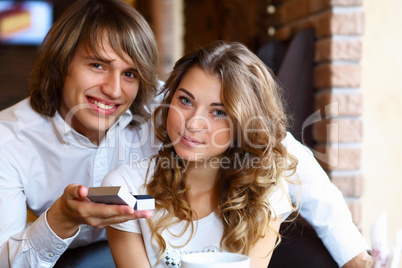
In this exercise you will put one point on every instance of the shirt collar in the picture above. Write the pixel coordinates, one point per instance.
(68, 135)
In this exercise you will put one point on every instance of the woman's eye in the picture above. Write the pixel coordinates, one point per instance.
(219, 113)
(185, 101)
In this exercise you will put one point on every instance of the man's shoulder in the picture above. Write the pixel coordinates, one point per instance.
(295, 147)
(17, 118)
(21, 111)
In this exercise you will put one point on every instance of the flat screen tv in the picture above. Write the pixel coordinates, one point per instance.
(25, 22)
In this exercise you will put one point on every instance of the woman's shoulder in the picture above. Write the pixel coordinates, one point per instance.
(132, 175)
(140, 167)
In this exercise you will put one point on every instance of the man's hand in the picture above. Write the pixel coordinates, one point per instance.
(363, 260)
(73, 209)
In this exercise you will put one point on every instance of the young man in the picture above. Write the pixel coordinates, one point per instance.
(95, 74)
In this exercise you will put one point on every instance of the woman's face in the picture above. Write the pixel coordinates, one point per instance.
(197, 123)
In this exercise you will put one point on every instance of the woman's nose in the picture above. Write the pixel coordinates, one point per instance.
(198, 122)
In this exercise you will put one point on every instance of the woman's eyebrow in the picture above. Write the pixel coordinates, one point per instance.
(188, 93)
(192, 97)
(217, 104)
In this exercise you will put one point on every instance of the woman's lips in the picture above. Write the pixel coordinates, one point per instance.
(189, 141)
(103, 107)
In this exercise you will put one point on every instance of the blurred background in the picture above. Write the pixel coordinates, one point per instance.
(339, 61)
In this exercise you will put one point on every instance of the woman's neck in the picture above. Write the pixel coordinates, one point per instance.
(202, 175)
(201, 178)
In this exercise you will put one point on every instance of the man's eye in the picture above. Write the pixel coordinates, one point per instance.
(130, 74)
(97, 65)
(185, 101)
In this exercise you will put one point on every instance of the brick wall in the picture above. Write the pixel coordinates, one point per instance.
(16, 63)
(338, 124)
(232, 20)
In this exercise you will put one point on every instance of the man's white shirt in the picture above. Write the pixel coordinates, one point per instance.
(40, 156)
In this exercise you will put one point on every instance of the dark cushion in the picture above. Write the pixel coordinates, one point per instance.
(95, 255)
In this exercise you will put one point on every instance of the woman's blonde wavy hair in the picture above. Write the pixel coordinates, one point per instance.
(252, 99)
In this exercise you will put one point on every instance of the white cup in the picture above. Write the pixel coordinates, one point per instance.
(215, 260)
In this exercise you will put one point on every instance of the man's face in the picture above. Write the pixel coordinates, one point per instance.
(97, 90)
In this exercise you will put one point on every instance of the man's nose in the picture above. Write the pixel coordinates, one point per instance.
(112, 86)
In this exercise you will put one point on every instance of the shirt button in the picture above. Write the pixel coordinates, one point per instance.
(51, 255)
(59, 247)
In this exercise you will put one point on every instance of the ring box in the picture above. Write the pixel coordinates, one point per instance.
(144, 202)
(117, 195)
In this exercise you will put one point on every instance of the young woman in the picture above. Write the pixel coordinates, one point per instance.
(219, 180)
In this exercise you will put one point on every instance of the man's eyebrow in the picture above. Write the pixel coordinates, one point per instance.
(188, 93)
(132, 69)
(94, 58)
(108, 61)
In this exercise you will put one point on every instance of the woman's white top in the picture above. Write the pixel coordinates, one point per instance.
(208, 231)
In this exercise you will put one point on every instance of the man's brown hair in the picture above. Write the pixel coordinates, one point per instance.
(88, 22)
